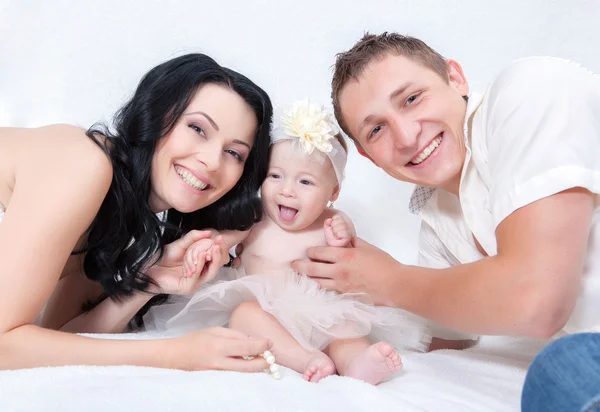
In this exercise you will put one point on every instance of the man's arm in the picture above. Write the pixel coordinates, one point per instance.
(528, 289)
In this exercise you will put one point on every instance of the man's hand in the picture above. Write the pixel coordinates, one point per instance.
(362, 268)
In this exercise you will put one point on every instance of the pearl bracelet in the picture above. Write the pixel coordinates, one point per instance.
(273, 367)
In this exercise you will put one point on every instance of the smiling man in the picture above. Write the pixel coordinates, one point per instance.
(507, 189)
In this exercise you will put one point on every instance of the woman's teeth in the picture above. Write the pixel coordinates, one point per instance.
(427, 151)
(190, 179)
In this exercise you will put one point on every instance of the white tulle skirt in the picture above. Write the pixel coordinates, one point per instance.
(313, 316)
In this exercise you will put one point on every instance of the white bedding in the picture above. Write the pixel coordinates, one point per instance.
(484, 378)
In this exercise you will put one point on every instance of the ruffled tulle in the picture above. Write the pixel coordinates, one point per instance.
(314, 316)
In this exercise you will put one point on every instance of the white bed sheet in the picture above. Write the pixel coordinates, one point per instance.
(488, 377)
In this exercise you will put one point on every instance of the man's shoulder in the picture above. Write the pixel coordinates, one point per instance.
(528, 73)
(538, 64)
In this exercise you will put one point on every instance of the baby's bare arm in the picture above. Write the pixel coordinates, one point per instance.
(339, 229)
(231, 237)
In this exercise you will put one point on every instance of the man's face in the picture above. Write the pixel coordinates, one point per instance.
(408, 120)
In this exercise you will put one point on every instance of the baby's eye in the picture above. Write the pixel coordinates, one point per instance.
(305, 182)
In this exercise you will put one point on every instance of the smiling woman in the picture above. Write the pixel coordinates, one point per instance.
(203, 157)
(192, 142)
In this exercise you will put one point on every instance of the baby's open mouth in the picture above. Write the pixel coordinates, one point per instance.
(287, 214)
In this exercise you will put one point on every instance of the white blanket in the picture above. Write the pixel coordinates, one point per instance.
(487, 378)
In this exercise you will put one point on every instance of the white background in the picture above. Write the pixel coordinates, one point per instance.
(78, 61)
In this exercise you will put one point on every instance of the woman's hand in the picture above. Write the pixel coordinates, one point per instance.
(169, 274)
(216, 349)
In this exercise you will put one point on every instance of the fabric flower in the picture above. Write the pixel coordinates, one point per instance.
(311, 124)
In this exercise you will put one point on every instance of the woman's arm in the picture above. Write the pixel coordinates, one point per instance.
(61, 180)
(65, 309)
(109, 316)
(56, 197)
(30, 346)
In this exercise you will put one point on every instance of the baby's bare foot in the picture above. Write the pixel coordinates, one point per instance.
(374, 364)
(318, 367)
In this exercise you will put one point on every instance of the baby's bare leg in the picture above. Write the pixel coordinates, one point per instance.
(251, 319)
(358, 358)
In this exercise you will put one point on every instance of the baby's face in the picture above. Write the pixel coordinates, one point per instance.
(297, 188)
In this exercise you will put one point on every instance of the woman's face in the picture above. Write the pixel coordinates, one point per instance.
(204, 155)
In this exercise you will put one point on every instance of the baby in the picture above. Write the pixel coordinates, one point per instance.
(314, 331)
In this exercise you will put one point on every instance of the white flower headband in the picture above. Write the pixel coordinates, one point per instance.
(311, 127)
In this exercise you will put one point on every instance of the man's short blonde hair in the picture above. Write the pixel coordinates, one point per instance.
(351, 64)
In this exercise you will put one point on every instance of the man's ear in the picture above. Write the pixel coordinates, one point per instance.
(457, 78)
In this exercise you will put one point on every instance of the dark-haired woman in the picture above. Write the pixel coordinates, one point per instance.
(79, 219)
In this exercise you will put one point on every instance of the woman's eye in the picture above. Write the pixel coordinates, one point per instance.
(236, 155)
(198, 129)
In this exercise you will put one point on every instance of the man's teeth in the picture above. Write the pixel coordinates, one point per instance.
(427, 151)
(190, 179)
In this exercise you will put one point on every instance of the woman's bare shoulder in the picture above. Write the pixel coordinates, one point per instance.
(59, 129)
(56, 145)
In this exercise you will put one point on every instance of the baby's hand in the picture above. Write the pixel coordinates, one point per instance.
(199, 264)
(337, 231)
(196, 256)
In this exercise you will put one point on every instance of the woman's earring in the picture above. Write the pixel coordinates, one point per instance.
(330, 205)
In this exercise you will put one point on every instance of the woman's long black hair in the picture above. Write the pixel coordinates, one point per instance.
(126, 236)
